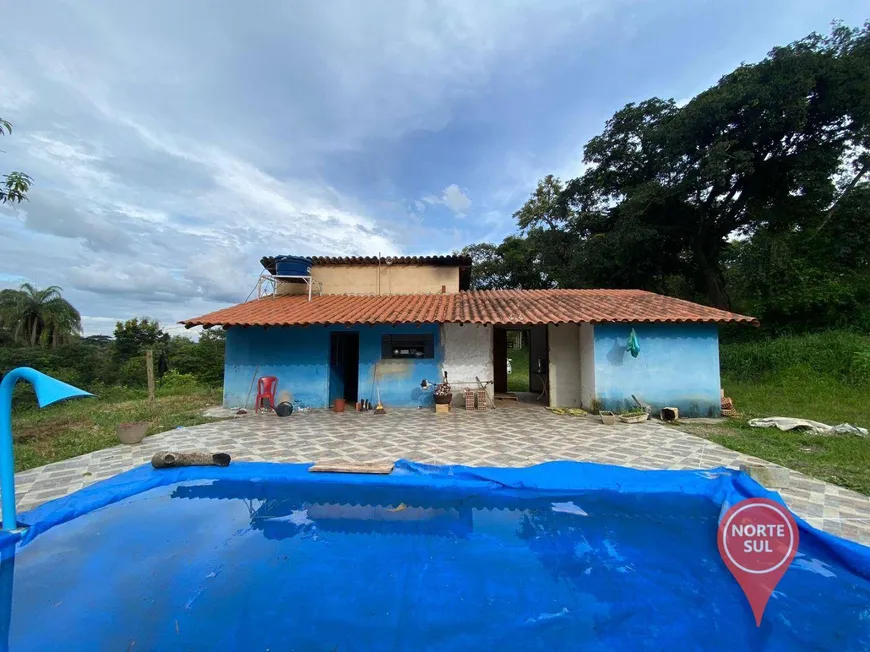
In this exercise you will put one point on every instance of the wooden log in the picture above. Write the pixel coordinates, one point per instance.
(168, 459)
(149, 369)
(377, 468)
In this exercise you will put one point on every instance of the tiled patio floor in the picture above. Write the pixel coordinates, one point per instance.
(505, 437)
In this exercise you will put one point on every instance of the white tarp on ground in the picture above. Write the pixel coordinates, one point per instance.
(789, 423)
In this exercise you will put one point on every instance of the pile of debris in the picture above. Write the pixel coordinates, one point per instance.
(574, 412)
(727, 405)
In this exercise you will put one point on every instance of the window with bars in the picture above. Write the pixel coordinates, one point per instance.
(415, 346)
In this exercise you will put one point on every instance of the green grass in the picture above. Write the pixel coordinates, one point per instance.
(840, 355)
(807, 395)
(518, 379)
(840, 459)
(80, 426)
(820, 377)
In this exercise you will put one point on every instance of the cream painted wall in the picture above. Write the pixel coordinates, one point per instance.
(467, 353)
(587, 365)
(363, 279)
(565, 382)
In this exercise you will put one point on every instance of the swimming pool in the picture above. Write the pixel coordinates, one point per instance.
(563, 555)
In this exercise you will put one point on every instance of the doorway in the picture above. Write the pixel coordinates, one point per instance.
(511, 358)
(344, 367)
(520, 363)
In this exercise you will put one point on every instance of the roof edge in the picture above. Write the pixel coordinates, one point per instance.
(474, 307)
(450, 260)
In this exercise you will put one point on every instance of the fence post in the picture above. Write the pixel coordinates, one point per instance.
(149, 369)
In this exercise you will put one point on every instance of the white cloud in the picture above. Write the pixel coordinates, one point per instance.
(170, 155)
(452, 197)
(95, 325)
(15, 96)
(72, 160)
(92, 325)
(456, 200)
(141, 280)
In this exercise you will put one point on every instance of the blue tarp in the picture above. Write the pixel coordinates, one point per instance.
(564, 555)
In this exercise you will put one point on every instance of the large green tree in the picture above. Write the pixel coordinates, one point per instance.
(134, 336)
(515, 263)
(774, 146)
(39, 316)
(203, 359)
(813, 277)
(14, 185)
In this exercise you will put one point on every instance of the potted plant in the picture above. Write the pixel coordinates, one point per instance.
(633, 416)
(607, 417)
(132, 433)
(443, 393)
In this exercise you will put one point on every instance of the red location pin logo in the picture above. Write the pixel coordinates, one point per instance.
(758, 539)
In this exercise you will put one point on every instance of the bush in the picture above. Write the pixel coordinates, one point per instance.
(132, 373)
(174, 380)
(81, 363)
(861, 366)
(116, 394)
(93, 364)
(842, 355)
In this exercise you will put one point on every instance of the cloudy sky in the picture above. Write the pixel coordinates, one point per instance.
(174, 143)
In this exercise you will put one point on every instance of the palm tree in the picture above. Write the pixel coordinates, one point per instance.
(39, 316)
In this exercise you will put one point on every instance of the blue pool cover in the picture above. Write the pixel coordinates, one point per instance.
(564, 555)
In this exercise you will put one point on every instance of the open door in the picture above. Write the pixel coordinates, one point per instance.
(344, 367)
(499, 360)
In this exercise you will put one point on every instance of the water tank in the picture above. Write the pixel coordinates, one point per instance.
(292, 266)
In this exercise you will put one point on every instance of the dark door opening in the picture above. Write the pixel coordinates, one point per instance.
(520, 366)
(499, 360)
(344, 367)
(518, 361)
(510, 358)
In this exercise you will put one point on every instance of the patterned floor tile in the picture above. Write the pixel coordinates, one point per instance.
(504, 437)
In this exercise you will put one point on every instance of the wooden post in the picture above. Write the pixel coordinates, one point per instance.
(149, 369)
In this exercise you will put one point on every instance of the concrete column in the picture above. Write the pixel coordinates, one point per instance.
(564, 349)
(587, 366)
(467, 353)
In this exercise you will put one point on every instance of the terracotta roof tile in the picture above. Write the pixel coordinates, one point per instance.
(505, 307)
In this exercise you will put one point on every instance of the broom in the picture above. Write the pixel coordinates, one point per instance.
(379, 409)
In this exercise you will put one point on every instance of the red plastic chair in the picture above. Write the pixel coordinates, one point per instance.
(265, 389)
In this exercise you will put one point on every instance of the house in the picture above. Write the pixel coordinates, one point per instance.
(352, 326)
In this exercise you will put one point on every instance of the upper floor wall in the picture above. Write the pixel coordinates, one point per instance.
(375, 275)
(380, 279)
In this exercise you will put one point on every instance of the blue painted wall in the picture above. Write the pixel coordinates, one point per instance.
(299, 358)
(678, 366)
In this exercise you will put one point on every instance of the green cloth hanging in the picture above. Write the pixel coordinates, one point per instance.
(633, 345)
